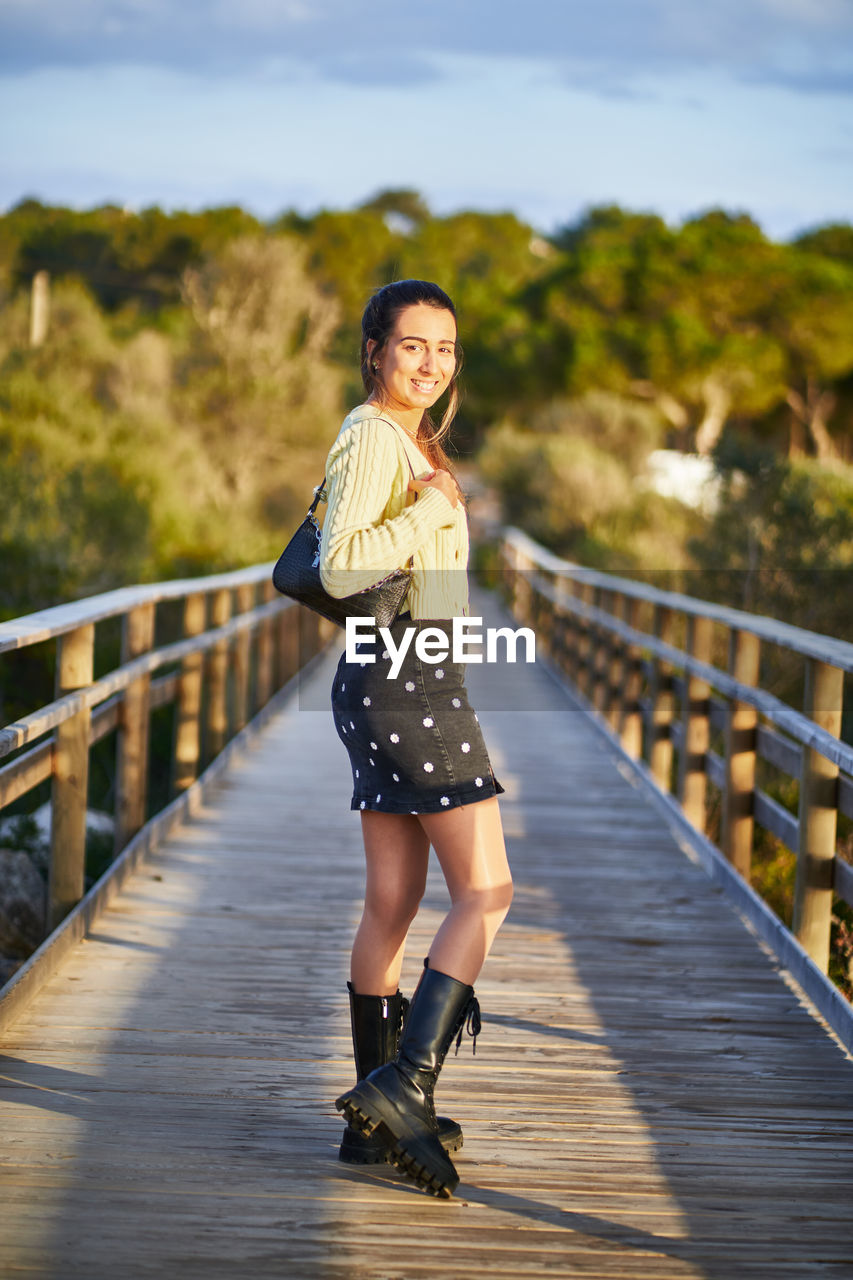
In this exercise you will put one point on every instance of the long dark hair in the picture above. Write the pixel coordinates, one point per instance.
(377, 325)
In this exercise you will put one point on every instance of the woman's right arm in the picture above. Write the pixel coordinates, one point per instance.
(358, 547)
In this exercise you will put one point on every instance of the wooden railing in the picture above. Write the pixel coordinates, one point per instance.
(217, 648)
(644, 660)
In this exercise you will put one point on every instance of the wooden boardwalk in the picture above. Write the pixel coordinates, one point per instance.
(649, 1097)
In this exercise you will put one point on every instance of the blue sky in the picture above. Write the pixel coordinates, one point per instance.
(544, 107)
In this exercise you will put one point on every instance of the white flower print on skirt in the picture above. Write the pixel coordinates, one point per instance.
(414, 743)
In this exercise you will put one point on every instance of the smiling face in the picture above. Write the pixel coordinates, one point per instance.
(417, 363)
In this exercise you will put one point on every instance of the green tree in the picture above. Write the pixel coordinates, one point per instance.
(402, 204)
(350, 254)
(835, 240)
(781, 542)
(484, 261)
(261, 398)
(76, 513)
(573, 478)
(125, 258)
(810, 314)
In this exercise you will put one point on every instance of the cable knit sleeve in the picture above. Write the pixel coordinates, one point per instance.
(359, 546)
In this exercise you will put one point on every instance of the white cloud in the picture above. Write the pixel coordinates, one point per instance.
(614, 41)
(834, 14)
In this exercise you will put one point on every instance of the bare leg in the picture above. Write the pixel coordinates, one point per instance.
(396, 849)
(469, 844)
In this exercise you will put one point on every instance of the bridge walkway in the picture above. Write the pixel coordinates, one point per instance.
(650, 1097)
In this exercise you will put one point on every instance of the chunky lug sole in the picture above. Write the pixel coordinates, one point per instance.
(415, 1152)
(357, 1149)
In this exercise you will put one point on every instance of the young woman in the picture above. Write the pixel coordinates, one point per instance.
(421, 772)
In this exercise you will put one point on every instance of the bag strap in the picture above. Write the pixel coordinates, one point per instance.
(319, 496)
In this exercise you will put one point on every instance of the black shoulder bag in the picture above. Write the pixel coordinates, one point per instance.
(297, 574)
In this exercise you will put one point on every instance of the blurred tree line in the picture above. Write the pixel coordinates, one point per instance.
(196, 367)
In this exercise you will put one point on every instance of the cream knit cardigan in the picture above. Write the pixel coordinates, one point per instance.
(373, 526)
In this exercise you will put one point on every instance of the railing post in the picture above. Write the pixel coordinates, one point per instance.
(522, 589)
(818, 816)
(241, 656)
(630, 714)
(66, 879)
(264, 679)
(545, 617)
(132, 750)
(288, 643)
(216, 729)
(663, 705)
(556, 639)
(615, 664)
(696, 720)
(563, 625)
(742, 721)
(586, 648)
(188, 709)
(573, 633)
(600, 654)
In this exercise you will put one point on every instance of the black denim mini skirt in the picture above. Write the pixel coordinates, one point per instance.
(414, 742)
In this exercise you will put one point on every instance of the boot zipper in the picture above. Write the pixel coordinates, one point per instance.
(384, 1008)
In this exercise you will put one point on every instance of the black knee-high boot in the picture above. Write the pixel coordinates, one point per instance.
(396, 1100)
(376, 1025)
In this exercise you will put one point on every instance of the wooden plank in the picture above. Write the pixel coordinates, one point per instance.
(845, 796)
(818, 824)
(739, 783)
(240, 660)
(69, 795)
(716, 767)
(132, 745)
(265, 653)
(663, 705)
(776, 818)
(843, 880)
(631, 723)
(163, 690)
(718, 713)
(186, 757)
(779, 751)
(696, 727)
(216, 680)
(21, 775)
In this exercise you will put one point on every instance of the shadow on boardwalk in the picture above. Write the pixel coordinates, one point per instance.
(649, 1097)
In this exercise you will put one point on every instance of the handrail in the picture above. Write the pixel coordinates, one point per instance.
(47, 624)
(238, 643)
(793, 722)
(57, 712)
(811, 644)
(626, 669)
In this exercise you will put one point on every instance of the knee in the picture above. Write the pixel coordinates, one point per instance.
(395, 908)
(493, 901)
(503, 896)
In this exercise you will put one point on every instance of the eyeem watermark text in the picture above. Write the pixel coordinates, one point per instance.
(433, 645)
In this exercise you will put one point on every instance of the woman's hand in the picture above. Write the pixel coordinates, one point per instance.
(441, 480)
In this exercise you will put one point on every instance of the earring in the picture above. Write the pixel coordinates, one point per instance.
(375, 367)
